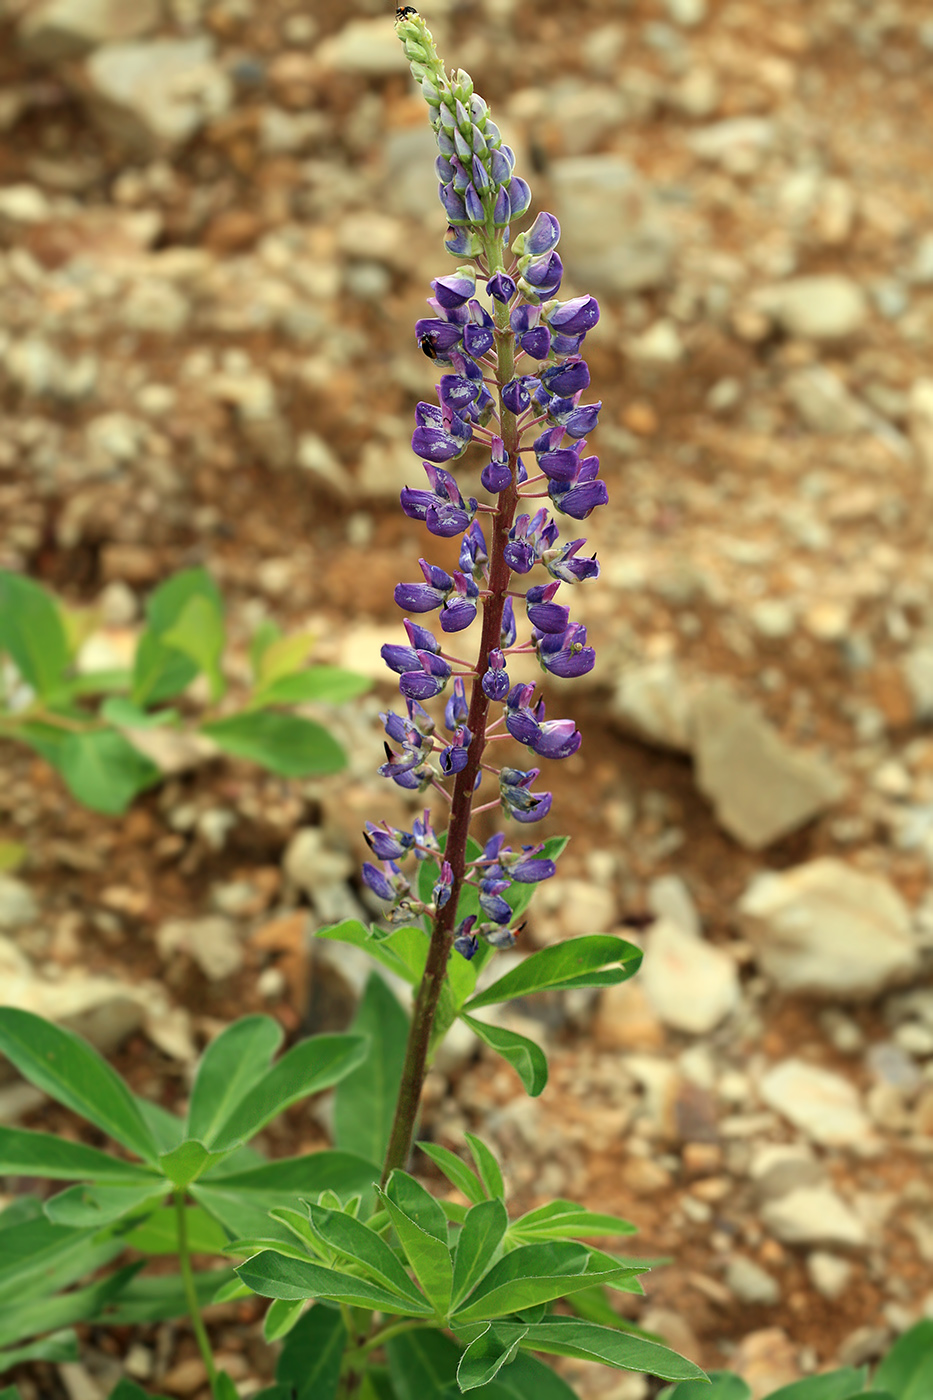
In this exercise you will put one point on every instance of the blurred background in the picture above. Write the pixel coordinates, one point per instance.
(218, 223)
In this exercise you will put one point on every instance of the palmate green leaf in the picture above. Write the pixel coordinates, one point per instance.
(364, 1105)
(273, 1275)
(478, 1246)
(421, 1227)
(328, 685)
(280, 1318)
(103, 770)
(274, 656)
(834, 1385)
(288, 745)
(125, 715)
(561, 1220)
(38, 1258)
(186, 1162)
(526, 1377)
(907, 1370)
(309, 1364)
(26, 1153)
(722, 1385)
(531, 1274)
(526, 1058)
(376, 1385)
(32, 633)
(10, 1392)
(66, 1068)
(565, 1336)
(159, 671)
(162, 1297)
(241, 1201)
(486, 1355)
(353, 1242)
(230, 1066)
(126, 1389)
(50, 1314)
(595, 960)
(92, 1206)
(168, 1131)
(487, 1166)
(310, 1066)
(456, 1172)
(56, 1347)
(198, 633)
(423, 1365)
(158, 1234)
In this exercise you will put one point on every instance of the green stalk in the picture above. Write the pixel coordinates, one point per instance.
(191, 1292)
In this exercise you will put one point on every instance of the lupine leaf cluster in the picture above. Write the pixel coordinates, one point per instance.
(79, 722)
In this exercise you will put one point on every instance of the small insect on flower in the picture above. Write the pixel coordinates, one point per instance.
(424, 341)
(405, 12)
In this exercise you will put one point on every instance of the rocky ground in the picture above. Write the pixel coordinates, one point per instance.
(217, 226)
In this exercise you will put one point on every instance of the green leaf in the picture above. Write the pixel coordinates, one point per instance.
(71, 1072)
(282, 656)
(230, 1066)
(423, 1364)
(99, 682)
(103, 770)
(120, 711)
(421, 1226)
(486, 1355)
(275, 1276)
(310, 1066)
(32, 632)
(159, 671)
(527, 1059)
(223, 1387)
(10, 1392)
(159, 1234)
(241, 1200)
(534, 1273)
(309, 1364)
(186, 1162)
(527, 1376)
(356, 1243)
(25, 1153)
(324, 684)
(722, 1385)
(907, 1370)
(456, 1172)
(833, 1385)
(365, 1100)
(199, 633)
(281, 1318)
(486, 1165)
(596, 960)
(159, 1298)
(44, 1314)
(376, 1385)
(266, 633)
(397, 951)
(565, 1336)
(167, 1130)
(285, 744)
(520, 895)
(92, 1207)
(56, 1347)
(478, 1246)
(165, 605)
(128, 1390)
(561, 1219)
(38, 1257)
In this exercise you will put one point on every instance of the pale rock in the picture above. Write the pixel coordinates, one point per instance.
(691, 985)
(820, 1103)
(315, 456)
(654, 701)
(18, 905)
(777, 1168)
(568, 908)
(316, 858)
(738, 144)
(829, 1274)
(828, 929)
(669, 898)
(824, 403)
(614, 237)
(626, 1020)
(24, 204)
(823, 307)
(766, 1360)
(920, 425)
(917, 666)
(100, 1009)
(155, 95)
(687, 13)
(773, 618)
(760, 787)
(154, 304)
(386, 466)
(212, 942)
(580, 118)
(750, 1283)
(54, 30)
(814, 1215)
(410, 185)
(659, 345)
(365, 46)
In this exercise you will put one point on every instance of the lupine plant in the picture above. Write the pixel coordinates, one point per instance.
(79, 720)
(380, 1289)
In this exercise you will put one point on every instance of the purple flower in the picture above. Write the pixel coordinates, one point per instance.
(444, 886)
(561, 563)
(425, 597)
(474, 555)
(517, 798)
(568, 378)
(543, 235)
(582, 497)
(491, 901)
(453, 759)
(497, 474)
(441, 433)
(495, 680)
(388, 842)
(426, 842)
(459, 608)
(516, 395)
(542, 276)
(455, 290)
(443, 508)
(428, 681)
(543, 614)
(519, 197)
(508, 631)
(573, 318)
(565, 654)
(529, 869)
(388, 883)
(437, 338)
(501, 287)
(466, 942)
(556, 738)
